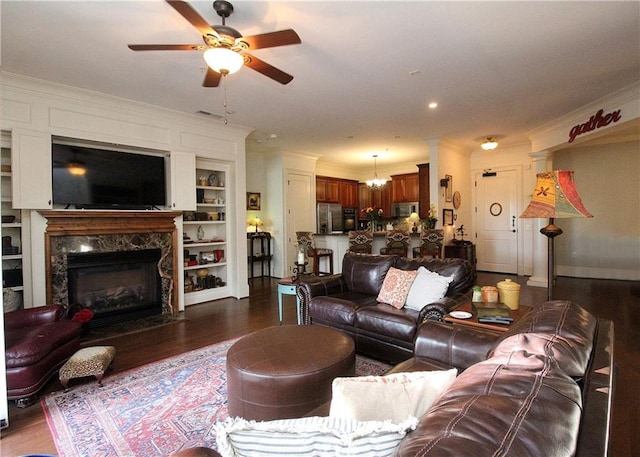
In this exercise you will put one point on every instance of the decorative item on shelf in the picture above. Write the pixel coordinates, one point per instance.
(373, 215)
(255, 222)
(207, 257)
(202, 272)
(200, 233)
(202, 181)
(8, 219)
(430, 221)
(212, 181)
(555, 195)
(459, 232)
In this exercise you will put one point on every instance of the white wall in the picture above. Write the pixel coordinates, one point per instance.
(607, 177)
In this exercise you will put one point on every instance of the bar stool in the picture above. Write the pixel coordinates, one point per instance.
(397, 243)
(431, 241)
(307, 242)
(286, 286)
(360, 241)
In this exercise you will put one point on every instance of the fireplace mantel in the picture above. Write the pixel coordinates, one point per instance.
(106, 224)
(60, 223)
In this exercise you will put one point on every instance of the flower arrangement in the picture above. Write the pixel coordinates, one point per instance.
(430, 221)
(373, 213)
(83, 316)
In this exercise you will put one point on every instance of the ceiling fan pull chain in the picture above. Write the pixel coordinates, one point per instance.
(224, 101)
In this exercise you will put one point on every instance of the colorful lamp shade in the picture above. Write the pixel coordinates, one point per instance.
(555, 195)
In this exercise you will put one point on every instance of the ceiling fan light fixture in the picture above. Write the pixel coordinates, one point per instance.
(223, 60)
(489, 144)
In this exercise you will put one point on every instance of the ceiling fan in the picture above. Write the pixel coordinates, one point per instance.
(226, 50)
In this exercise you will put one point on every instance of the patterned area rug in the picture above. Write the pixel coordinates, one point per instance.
(153, 410)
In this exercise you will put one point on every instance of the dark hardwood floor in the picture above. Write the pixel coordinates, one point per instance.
(217, 321)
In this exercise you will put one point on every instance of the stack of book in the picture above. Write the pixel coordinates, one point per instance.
(492, 313)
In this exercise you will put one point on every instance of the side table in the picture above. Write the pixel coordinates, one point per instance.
(263, 255)
(516, 314)
(286, 286)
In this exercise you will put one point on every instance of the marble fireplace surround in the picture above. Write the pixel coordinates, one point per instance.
(71, 231)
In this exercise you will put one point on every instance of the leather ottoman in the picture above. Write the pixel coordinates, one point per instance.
(286, 371)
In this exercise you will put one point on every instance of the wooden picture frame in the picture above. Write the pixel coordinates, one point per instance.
(447, 217)
(253, 201)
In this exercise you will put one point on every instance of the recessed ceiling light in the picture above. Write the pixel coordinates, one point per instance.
(414, 72)
(433, 105)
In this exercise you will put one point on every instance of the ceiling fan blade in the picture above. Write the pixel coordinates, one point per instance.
(268, 70)
(192, 16)
(272, 39)
(167, 47)
(212, 78)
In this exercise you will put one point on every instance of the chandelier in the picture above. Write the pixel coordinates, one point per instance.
(375, 183)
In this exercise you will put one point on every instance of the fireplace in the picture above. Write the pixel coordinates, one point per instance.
(116, 286)
(75, 239)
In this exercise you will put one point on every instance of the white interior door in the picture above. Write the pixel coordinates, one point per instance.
(300, 213)
(497, 221)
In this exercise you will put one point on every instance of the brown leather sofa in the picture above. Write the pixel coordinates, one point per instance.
(543, 388)
(347, 302)
(38, 341)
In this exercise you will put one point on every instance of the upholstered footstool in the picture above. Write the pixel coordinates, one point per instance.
(286, 371)
(91, 361)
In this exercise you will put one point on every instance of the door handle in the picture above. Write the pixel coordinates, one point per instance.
(513, 224)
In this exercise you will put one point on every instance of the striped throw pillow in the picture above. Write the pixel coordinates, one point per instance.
(310, 436)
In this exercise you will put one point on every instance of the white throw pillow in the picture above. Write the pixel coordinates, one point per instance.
(309, 436)
(427, 287)
(394, 397)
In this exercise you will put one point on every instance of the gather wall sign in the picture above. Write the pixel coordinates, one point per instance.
(595, 122)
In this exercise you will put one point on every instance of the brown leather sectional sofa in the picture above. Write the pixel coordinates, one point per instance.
(542, 388)
(347, 302)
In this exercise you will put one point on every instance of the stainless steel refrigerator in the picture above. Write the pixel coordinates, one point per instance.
(329, 218)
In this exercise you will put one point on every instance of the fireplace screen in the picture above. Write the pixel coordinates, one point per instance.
(116, 286)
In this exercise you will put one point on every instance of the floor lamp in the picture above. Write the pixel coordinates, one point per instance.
(555, 196)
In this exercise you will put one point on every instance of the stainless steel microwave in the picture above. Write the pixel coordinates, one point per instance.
(404, 209)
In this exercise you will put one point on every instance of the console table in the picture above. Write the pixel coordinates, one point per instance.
(259, 251)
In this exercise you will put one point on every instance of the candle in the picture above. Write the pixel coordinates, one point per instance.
(300, 257)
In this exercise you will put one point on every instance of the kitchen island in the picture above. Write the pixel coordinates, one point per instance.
(339, 243)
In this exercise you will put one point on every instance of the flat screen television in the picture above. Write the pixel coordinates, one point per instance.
(85, 177)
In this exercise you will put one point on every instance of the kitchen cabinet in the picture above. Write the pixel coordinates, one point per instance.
(336, 190)
(423, 190)
(405, 188)
(206, 232)
(349, 193)
(381, 198)
(327, 190)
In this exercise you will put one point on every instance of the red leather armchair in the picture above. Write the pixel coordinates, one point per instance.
(38, 341)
